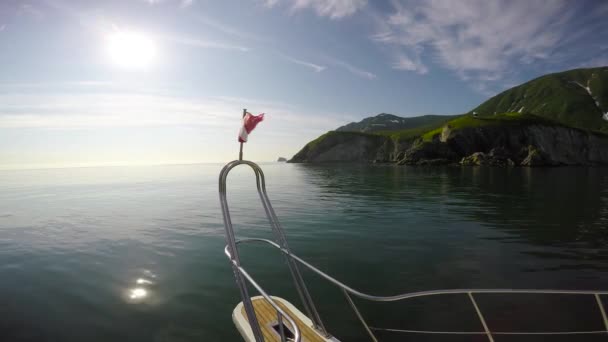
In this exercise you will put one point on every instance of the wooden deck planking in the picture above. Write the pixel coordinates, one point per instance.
(266, 314)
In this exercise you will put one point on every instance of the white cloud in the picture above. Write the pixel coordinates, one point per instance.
(226, 29)
(403, 62)
(168, 128)
(270, 3)
(181, 3)
(106, 110)
(314, 67)
(111, 107)
(51, 85)
(2, 27)
(203, 43)
(186, 3)
(229, 30)
(334, 9)
(28, 9)
(475, 38)
(101, 25)
(352, 69)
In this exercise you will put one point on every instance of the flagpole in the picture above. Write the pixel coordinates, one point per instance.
(241, 149)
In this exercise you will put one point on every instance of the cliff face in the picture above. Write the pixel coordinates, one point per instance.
(343, 147)
(526, 145)
(557, 145)
(556, 119)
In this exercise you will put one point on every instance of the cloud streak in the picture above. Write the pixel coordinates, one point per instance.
(231, 31)
(226, 29)
(333, 9)
(181, 3)
(312, 66)
(202, 43)
(352, 69)
(106, 106)
(96, 126)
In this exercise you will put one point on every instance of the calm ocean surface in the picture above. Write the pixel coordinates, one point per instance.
(75, 243)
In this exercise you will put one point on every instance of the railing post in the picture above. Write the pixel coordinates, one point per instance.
(235, 260)
(294, 270)
(354, 307)
(281, 327)
(483, 321)
(602, 311)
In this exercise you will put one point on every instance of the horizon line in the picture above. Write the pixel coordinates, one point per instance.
(51, 167)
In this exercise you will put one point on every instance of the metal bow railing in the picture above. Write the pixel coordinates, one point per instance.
(470, 293)
(293, 261)
(279, 235)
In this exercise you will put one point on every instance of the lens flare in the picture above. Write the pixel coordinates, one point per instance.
(130, 50)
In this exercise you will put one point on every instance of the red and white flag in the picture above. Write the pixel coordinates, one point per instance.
(249, 123)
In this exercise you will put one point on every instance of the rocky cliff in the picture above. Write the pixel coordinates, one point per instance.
(524, 145)
(343, 147)
(556, 119)
(499, 145)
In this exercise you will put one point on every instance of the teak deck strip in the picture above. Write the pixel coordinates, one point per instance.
(266, 315)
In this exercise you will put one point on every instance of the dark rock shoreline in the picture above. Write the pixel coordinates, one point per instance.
(501, 146)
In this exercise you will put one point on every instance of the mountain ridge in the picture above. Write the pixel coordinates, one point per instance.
(577, 98)
(391, 122)
(520, 126)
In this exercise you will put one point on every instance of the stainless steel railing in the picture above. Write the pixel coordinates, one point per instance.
(347, 290)
(243, 278)
(279, 236)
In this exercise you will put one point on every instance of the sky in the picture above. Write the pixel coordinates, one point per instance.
(165, 81)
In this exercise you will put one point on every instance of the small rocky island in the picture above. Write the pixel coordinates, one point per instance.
(557, 119)
(282, 159)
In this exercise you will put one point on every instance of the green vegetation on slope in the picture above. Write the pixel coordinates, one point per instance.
(427, 133)
(382, 123)
(413, 133)
(470, 121)
(430, 122)
(320, 139)
(577, 98)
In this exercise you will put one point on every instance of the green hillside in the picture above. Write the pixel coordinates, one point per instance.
(389, 122)
(570, 106)
(468, 121)
(577, 98)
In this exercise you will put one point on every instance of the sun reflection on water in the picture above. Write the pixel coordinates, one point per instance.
(141, 291)
(142, 281)
(138, 293)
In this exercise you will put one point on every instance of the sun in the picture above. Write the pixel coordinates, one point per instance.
(130, 50)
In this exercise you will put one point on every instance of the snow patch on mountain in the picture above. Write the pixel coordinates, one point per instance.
(588, 89)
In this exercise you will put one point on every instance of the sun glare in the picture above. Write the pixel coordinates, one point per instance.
(130, 50)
